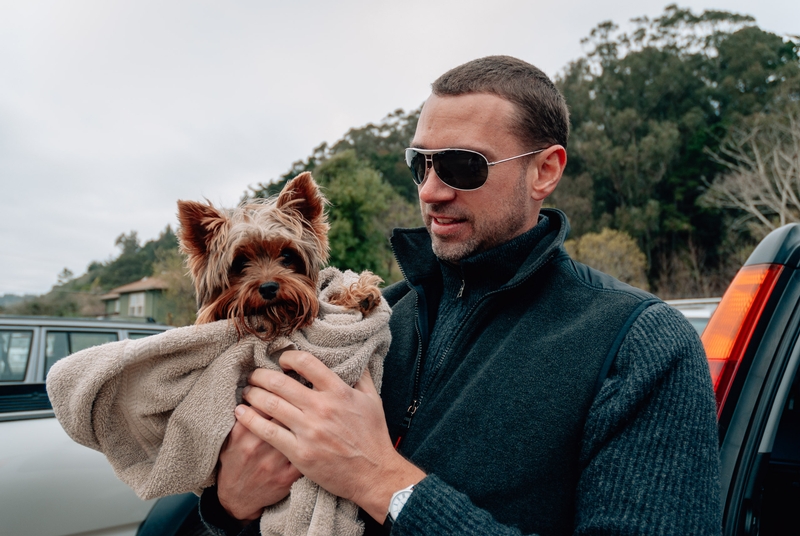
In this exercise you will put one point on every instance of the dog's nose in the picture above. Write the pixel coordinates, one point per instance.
(269, 290)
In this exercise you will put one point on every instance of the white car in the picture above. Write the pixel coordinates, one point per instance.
(697, 311)
(50, 485)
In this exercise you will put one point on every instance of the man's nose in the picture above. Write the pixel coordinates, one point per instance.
(433, 190)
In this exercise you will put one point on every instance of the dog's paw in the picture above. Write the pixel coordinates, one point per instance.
(364, 295)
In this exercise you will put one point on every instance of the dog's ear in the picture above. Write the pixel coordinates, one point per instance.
(301, 194)
(199, 224)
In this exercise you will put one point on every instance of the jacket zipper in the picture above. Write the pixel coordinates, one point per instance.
(417, 395)
(412, 408)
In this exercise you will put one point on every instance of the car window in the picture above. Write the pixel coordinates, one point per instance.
(698, 324)
(60, 344)
(780, 487)
(15, 350)
(141, 334)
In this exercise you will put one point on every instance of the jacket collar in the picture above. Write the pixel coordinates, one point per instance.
(509, 263)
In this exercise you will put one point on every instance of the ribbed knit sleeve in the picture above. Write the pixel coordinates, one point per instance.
(436, 508)
(650, 446)
(649, 453)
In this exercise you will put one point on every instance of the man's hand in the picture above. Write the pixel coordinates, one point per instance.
(252, 474)
(334, 434)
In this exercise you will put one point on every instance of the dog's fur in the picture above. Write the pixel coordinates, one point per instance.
(258, 264)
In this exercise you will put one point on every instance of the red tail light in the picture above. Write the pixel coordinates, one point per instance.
(731, 326)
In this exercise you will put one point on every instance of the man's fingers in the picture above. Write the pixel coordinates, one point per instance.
(269, 405)
(312, 369)
(280, 384)
(366, 385)
(266, 430)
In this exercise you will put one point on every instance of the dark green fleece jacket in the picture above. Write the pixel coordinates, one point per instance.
(547, 398)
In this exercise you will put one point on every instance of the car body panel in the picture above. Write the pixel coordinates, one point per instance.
(759, 405)
(49, 484)
(53, 486)
(697, 311)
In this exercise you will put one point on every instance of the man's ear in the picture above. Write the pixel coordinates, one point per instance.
(550, 167)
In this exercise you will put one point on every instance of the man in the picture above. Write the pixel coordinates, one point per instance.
(524, 393)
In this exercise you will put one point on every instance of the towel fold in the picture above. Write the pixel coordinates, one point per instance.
(160, 407)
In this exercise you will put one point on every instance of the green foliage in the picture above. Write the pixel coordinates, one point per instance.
(612, 252)
(65, 276)
(363, 210)
(134, 262)
(80, 296)
(757, 72)
(575, 196)
(59, 302)
(647, 107)
(365, 178)
(380, 145)
(178, 301)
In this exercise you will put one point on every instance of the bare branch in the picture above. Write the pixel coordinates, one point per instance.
(763, 179)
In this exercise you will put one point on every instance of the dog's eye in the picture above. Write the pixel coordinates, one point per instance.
(288, 258)
(238, 265)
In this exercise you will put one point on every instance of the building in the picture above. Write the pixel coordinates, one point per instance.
(143, 299)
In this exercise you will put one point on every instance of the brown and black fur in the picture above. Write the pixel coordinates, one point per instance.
(258, 264)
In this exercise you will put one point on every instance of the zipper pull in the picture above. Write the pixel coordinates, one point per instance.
(412, 409)
(461, 290)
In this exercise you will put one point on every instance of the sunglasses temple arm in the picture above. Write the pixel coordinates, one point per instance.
(514, 157)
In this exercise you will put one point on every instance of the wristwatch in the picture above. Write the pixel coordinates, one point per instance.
(398, 501)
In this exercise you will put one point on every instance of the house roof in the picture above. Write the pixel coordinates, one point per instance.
(145, 283)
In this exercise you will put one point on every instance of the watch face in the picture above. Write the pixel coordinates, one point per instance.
(398, 501)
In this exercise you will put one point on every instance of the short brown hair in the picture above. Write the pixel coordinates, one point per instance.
(542, 113)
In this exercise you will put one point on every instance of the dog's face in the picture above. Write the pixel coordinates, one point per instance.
(258, 264)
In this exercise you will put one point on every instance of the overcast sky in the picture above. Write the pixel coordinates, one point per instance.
(111, 111)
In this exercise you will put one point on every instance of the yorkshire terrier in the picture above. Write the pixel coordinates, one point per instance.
(258, 264)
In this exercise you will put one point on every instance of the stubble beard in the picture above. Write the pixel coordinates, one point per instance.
(508, 223)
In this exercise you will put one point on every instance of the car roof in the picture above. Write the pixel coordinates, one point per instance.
(696, 307)
(76, 322)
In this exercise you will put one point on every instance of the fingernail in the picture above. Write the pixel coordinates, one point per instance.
(246, 390)
(239, 411)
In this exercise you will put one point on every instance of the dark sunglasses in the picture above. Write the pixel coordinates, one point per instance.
(460, 169)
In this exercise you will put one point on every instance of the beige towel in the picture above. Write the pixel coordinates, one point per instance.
(160, 408)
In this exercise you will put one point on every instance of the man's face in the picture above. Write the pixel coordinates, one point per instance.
(462, 223)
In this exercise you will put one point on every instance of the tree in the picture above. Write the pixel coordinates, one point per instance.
(762, 183)
(363, 210)
(612, 252)
(380, 145)
(134, 262)
(65, 276)
(646, 107)
(632, 155)
(575, 196)
(179, 298)
(383, 146)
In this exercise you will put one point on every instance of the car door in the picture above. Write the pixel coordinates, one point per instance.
(50, 485)
(753, 350)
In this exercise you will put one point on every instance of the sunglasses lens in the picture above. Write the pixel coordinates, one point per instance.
(417, 164)
(464, 170)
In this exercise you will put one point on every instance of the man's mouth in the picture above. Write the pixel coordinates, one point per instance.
(444, 226)
(445, 221)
